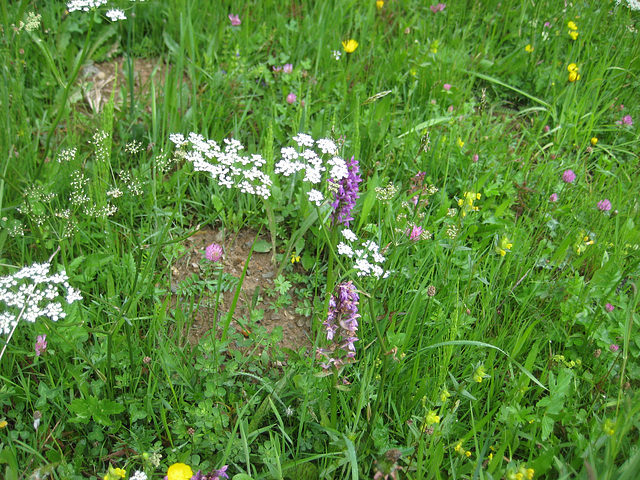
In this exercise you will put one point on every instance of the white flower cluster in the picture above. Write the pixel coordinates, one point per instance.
(116, 14)
(632, 4)
(31, 291)
(84, 5)
(367, 258)
(310, 161)
(230, 169)
(138, 475)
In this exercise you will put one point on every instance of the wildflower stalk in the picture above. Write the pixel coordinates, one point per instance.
(238, 289)
(625, 349)
(272, 231)
(334, 399)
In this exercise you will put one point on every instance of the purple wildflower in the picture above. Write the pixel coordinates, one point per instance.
(438, 7)
(213, 253)
(547, 25)
(291, 98)
(446, 86)
(608, 307)
(604, 205)
(546, 129)
(215, 475)
(341, 325)
(568, 176)
(276, 69)
(235, 20)
(553, 198)
(220, 473)
(41, 344)
(626, 120)
(614, 348)
(288, 68)
(414, 233)
(475, 158)
(346, 194)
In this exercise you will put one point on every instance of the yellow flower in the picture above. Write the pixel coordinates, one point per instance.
(608, 427)
(350, 45)
(380, 4)
(504, 246)
(467, 453)
(444, 395)
(460, 143)
(458, 448)
(295, 258)
(573, 72)
(573, 35)
(432, 418)
(572, 26)
(115, 473)
(529, 473)
(479, 374)
(528, 48)
(3, 424)
(179, 471)
(434, 46)
(594, 140)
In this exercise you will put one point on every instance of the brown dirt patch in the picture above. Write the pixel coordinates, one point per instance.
(98, 80)
(296, 329)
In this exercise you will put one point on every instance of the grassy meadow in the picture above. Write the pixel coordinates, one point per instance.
(315, 240)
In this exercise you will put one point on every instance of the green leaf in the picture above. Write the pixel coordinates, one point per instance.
(262, 246)
(547, 427)
(91, 407)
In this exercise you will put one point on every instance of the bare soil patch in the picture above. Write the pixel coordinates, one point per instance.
(296, 329)
(98, 81)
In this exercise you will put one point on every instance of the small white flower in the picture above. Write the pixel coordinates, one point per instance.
(363, 267)
(303, 140)
(316, 197)
(116, 14)
(138, 475)
(178, 139)
(84, 5)
(327, 146)
(349, 235)
(344, 249)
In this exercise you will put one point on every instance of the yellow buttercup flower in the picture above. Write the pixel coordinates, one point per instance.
(179, 471)
(3, 424)
(115, 473)
(528, 48)
(350, 45)
(380, 4)
(573, 72)
(594, 140)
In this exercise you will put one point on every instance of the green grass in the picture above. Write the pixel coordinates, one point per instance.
(524, 362)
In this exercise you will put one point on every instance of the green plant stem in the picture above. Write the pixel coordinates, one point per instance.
(334, 399)
(238, 289)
